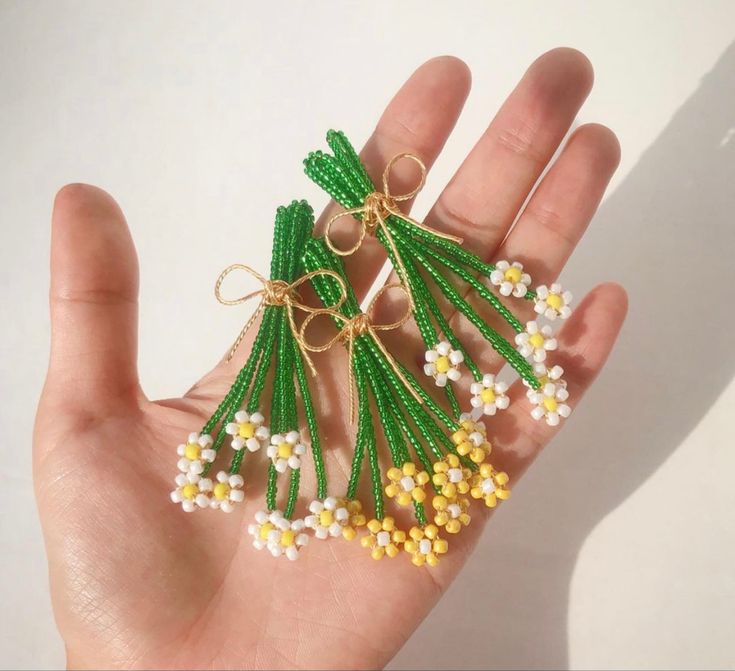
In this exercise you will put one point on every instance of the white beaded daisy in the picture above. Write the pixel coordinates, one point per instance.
(510, 278)
(227, 492)
(195, 453)
(286, 451)
(442, 363)
(327, 517)
(535, 341)
(248, 431)
(544, 374)
(279, 535)
(552, 302)
(549, 402)
(489, 394)
(192, 491)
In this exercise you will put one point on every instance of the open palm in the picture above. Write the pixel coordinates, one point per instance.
(137, 583)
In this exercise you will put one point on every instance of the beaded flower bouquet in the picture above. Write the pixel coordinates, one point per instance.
(425, 453)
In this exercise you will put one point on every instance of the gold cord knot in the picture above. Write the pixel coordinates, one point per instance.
(278, 293)
(375, 210)
(353, 327)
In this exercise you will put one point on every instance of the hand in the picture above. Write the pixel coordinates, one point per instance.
(136, 582)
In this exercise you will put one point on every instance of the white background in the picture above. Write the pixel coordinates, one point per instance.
(618, 548)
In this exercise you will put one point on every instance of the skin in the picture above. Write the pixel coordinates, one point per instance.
(135, 582)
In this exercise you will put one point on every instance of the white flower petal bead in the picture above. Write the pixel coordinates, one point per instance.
(191, 491)
(442, 363)
(535, 341)
(510, 279)
(489, 395)
(195, 454)
(549, 402)
(227, 492)
(248, 431)
(553, 302)
(286, 451)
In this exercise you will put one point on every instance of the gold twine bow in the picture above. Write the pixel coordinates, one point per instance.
(376, 208)
(277, 292)
(361, 324)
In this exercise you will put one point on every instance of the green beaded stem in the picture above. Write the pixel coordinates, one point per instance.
(275, 354)
(405, 422)
(345, 178)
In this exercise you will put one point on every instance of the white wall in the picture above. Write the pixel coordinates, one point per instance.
(618, 549)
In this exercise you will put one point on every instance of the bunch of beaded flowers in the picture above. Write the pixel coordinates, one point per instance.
(438, 453)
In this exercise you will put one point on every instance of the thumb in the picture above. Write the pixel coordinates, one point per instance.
(93, 297)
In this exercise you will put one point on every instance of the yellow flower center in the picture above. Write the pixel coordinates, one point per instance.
(487, 396)
(554, 301)
(513, 275)
(265, 529)
(537, 340)
(550, 403)
(189, 491)
(442, 364)
(192, 451)
(221, 491)
(326, 518)
(285, 450)
(287, 538)
(246, 430)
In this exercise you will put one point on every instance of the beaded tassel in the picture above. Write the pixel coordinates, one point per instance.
(239, 415)
(423, 258)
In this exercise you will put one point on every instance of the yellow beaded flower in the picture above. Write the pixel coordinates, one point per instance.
(451, 513)
(384, 538)
(450, 477)
(407, 484)
(425, 546)
(471, 439)
(490, 485)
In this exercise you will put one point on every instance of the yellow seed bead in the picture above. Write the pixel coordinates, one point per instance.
(221, 491)
(392, 490)
(477, 455)
(536, 340)
(285, 450)
(358, 520)
(287, 538)
(246, 430)
(440, 502)
(440, 479)
(411, 546)
(367, 541)
(192, 451)
(354, 506)
(374, 526)
(465, 448)
(399, 536)
(432, 559)
(395, 474)
(265, 529)
(449, 490)
(441, 519)
(550, 403)
(422, 478)
(416, 533)
(389, 524)
(418, 494)
(418, 560)
(452, 460)
(501, 478)
(464, 518)
(486, 470)
(454, 526)
(487, 396)
(476, 492)
(391, 550)
(326, 517)
(460, 436)
(491, 500)
(468, 425)
(440, 546)
(502, 494)
(189, 491)
(513, 274)
(377, 552)
(431, 531)
(348, 533)
(404, 498)
(463, 487)
(409, 469)
(440, 467)
(442, 364)
(554, 301)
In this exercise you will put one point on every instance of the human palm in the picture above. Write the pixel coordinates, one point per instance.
(135, 582)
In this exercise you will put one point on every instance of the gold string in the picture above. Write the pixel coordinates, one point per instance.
(352, 328)
(277, 292)
(376, 208)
